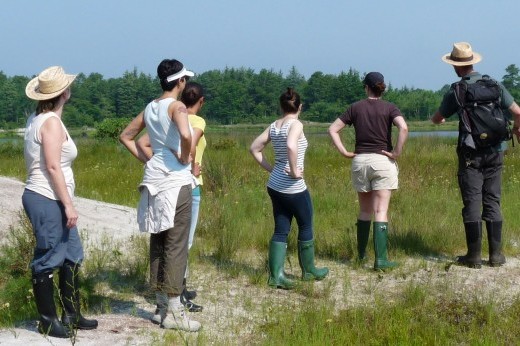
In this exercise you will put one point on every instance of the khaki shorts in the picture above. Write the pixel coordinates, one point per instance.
(374, 172)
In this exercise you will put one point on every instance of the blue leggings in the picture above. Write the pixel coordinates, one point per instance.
(285, 207)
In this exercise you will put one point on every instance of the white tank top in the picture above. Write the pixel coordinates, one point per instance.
(38, 179)
(164, 139)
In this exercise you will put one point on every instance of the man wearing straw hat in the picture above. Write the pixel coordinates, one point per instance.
(480, 169)
(47, 199)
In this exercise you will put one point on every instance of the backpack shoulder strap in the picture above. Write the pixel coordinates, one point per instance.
(459, 89)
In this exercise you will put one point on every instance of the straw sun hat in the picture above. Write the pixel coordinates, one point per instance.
(462, 55)
(50, 83)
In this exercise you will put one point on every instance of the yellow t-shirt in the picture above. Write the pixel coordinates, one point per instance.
(199, 123)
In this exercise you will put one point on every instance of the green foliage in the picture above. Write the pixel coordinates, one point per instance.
(16, 300)
(421, 316)
(233, 95)
(111, 128)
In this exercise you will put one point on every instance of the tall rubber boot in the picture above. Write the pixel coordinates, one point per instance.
(363, 232)
(306, 259)
(494, 234)
(474, 243)
(69, 290)
(43, 288)
(277, 276)
(380, 247)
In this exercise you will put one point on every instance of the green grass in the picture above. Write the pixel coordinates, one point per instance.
(236, 225)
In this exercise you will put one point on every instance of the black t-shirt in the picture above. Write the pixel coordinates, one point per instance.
(372, 120)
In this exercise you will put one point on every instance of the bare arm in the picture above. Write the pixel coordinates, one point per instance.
(144, 146)
(257, 148)
(295, 131)
(127, 137)
(515, 112)
(53, 136)
(195, 166)
(334, 130)
(401, 138)
(179, 115)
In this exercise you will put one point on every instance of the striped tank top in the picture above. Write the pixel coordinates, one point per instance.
(279, 180)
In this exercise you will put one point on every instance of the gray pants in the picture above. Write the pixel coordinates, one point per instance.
(55, 243)
(480, 182)
(169, 249)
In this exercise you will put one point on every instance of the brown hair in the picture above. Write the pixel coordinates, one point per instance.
(378, 89)
(290, 101)
(45, 106)
(192, 93)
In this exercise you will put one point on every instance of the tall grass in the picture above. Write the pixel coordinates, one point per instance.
(425, 213)
(236, 224)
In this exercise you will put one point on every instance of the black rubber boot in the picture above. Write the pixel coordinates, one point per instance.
(474, 243)
(69, 290)
(43, 288)
(494, 233)
(363, 232)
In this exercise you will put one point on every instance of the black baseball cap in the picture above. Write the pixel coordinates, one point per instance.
(372, 78)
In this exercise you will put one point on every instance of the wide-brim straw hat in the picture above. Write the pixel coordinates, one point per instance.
(462, 55)
(50, 83)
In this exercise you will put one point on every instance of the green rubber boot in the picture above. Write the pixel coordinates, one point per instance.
(380, 247)
(363, 232)
(306, 259)
(277, 276)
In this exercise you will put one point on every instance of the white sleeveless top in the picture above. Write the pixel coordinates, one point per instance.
(279, 180)
(163, 170)
(38, 179)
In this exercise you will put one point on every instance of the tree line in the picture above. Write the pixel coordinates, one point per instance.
(233, 95)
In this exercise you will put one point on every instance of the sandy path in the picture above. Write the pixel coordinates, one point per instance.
(114, 220)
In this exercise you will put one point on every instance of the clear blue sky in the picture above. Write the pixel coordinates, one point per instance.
(403, 39)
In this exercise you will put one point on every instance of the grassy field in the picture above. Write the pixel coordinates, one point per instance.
(236, 220)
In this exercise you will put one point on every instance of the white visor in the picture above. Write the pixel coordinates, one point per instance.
(179, 74)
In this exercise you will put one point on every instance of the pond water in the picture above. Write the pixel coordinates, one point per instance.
(433, 133)
(16, 140)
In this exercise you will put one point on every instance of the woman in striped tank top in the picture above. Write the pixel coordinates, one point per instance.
(288, 192)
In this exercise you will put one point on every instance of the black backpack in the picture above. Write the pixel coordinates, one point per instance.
(483, 123)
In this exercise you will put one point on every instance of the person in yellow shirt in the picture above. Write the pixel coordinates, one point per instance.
(193, 98)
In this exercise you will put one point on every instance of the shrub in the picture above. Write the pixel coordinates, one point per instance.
(111, 128)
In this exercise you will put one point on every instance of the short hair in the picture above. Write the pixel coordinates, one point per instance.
(290, 101)
(192, 93)
(166, 68)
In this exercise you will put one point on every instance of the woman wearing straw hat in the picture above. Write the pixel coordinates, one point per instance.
(374, 170)
(164, 210)
(47, 199)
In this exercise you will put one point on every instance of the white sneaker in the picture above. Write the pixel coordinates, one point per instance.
(178, 319)
(162, 308)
